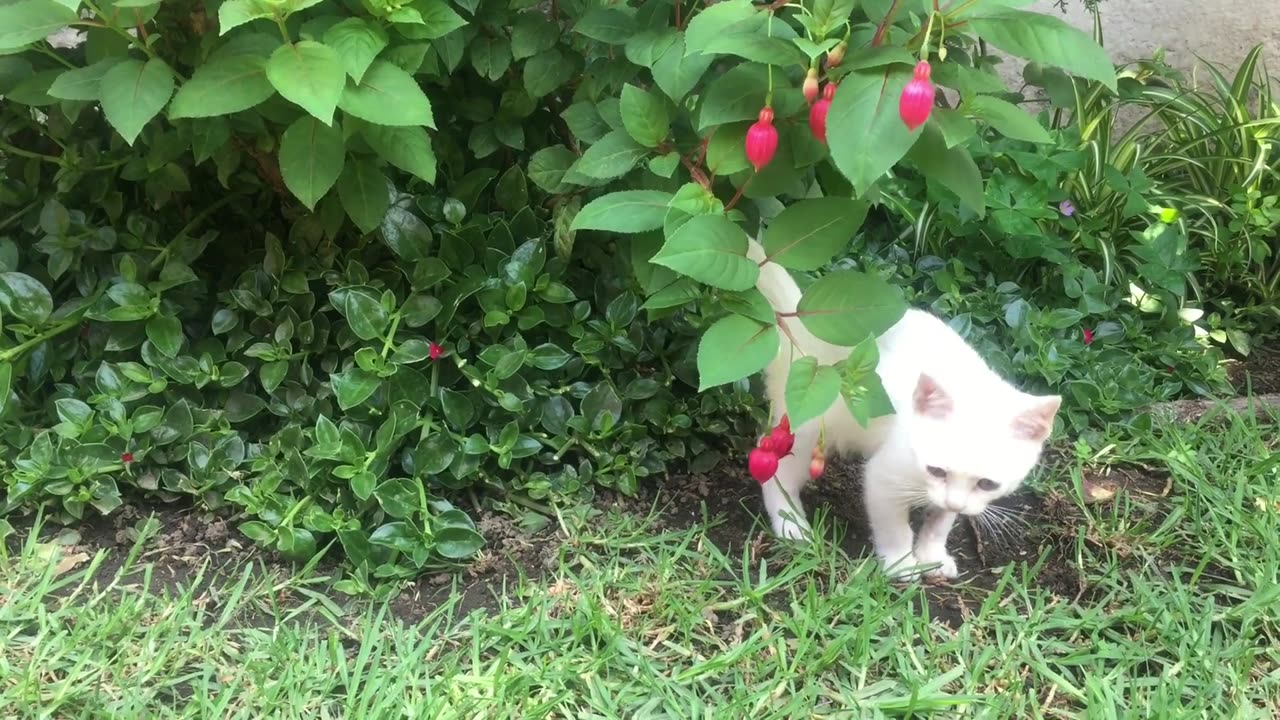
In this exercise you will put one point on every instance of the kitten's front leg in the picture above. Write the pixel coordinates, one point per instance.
(888, 513)
(782, 493)
(931, 545)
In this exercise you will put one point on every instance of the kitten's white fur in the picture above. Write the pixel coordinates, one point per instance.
(953, 414)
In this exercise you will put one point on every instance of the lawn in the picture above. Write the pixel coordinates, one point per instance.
(1156, 602)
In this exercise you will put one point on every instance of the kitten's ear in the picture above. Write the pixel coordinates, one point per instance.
(1035, 423)
(930, 399)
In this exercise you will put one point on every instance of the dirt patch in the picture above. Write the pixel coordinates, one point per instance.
(1258, 374)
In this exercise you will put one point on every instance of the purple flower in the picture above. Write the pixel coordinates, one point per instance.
(1066, 208)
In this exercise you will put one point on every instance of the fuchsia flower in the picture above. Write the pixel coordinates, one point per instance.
(762, 463)
(1088, 336)
(917, 98)
(818, 113)
(434, 351)
(762, 140)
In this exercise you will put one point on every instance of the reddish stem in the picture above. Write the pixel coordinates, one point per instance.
(738, 195)
(884, 24)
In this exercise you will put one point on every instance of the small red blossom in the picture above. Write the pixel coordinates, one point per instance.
(818, 113)
(810, 87)
(762, 140)
(126, 458)
(916, 101)
(1088, 336)
(762, 464)
(434, 351)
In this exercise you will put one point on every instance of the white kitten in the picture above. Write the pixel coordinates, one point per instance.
(962, 436)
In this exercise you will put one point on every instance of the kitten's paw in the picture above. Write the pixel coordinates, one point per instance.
(788, 529)
(946, 565)
(901, 569)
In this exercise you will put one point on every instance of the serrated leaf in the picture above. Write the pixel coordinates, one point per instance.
(645, 116)
(733, 348)
(364, 194)
(82, 83)
(357, 43)
(309, 75)
(1008, 119)
(844, 307)
(408, 148)
(953, 168)
(710, 249)
(612, 157)
(27, 21)
(864, 131)
(133, 92)
(388, 96)
(312, 155)
(223, 86)
(811, 390)
(548, 166)
(1045, 39)
(627, 211)
(809, 233)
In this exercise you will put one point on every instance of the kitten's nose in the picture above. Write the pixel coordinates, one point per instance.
(955, 506)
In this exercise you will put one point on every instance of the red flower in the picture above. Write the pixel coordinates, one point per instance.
(762, 464)
(917, 98)
(434, 351)
(126, 458)
(762, 140)
(818, 113)
(1088, 336)
(810, 87)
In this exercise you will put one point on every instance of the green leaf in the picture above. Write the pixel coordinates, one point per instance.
(609, 25)
(165, 332)
(677, 73)
(612, 157)
(27, 21)
(866, 108)
(458, 410)
(710, 249)
(1045, 39)
(548, 166)
(512, 191)
(458, 543)
(353, 387)
(25, 298)
(438, 20)
(546, 72)
(627, 211)
(1008, 119)
(133, 92)
(357, 43)
(844, 307)
(311, 158)
(491, 56)
(388, 96)
(363, 309)
(6, 385)
(364, 194)
(809, 233)
(602, 407)
(224, 85)
(645, 116)
(82, 83)
(733, 348)
(408, 148)
(953, 168)
(738, 95)
(811, 390)
(716, 21)
(533, 33)
(234, 13)
(309, 75)
(956, 128)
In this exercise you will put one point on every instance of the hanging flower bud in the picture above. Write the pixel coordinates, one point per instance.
(782, 439)
(762, 140)
(917, 98)
(836, 54)
(769, 445)
(818, 464)
(762, 464)
(810, 87)
(818, 113)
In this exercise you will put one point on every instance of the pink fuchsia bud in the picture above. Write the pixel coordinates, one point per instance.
(784, 423)
(434, 351)
(762, 464)
(810, 87)
(769, 444)
(818, 464)
(762, 140)
(1088, 336)
(917, 98)
(836, 55)
(782, 441)
(818, 113)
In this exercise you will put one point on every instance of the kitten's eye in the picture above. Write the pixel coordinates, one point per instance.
(988, 485)
(936, 471)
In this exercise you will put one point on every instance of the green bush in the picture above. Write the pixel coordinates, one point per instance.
(347, 267)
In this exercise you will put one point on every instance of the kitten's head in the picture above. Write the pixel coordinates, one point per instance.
(976, 447)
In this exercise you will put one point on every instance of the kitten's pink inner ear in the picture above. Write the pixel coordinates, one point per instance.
(930, 399)
(1036, 423)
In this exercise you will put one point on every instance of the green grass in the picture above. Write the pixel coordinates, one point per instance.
(1177, 618)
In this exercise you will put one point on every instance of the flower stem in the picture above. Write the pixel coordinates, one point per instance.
(885, 23)
(13, 352)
